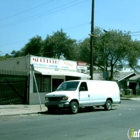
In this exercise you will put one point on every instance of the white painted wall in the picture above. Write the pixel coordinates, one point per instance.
(33, 98)
(16, 64)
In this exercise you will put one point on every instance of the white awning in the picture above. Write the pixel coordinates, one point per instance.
(44, 71)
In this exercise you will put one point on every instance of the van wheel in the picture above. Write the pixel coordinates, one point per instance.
(74, 107)
(108, 105)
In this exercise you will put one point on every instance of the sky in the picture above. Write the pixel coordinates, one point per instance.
(21, 20)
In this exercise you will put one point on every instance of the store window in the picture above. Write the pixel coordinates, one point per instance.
(46, 85)
(43, 83)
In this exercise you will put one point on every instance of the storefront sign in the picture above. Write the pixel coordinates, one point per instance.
(81, 65)
(44, 62)
(53, 63)
(67, 65)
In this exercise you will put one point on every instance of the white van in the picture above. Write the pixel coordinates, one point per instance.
(77, 94)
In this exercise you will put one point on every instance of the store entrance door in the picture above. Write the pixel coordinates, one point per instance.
(56, 83)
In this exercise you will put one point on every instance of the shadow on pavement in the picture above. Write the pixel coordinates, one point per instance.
(67, 112)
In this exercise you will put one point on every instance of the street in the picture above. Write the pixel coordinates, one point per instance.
(93, 125)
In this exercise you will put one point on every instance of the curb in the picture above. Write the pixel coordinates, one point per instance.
(21, 114)
(125, 99)
(132, 99)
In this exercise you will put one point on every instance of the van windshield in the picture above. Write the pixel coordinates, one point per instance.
(68, 86)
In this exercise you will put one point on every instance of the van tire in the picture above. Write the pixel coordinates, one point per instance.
(108, 105)
(74, 107)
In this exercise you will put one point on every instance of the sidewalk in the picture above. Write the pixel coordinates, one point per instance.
(19, 110)
(14, 110)
(134, 99)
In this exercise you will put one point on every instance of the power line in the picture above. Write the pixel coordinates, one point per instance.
(14, 42)
(136, 35)
(27, 10)
(78, 25)
(45, 13)
(135, 32)
(45, 34)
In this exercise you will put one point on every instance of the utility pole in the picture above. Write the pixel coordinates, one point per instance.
(92, 41)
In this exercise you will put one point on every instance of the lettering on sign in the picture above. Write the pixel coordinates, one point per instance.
(44, 60)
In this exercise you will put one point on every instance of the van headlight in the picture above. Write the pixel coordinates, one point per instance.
(47, 99)
(65, 98)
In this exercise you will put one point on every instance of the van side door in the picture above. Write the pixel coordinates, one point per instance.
(84, 97)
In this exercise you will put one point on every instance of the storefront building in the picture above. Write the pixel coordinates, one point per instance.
(49, 73)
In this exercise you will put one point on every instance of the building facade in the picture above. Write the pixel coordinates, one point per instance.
(47, 72)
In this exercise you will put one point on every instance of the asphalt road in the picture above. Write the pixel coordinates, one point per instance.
(94, 125)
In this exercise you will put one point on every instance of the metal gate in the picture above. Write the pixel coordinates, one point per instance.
(13, 89)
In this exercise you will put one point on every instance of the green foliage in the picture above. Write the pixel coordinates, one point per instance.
(32, 47)
(85, 47)
(57, 45)
(113, 49)
(16, 53)
(2, 58)
(5, 57)
(134, 55)
(48, 47)
(110, 50)
(85, 50)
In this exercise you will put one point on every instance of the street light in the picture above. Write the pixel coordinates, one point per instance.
(95, 36)
(105, 30)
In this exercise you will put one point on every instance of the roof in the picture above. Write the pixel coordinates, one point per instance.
(118, 76)
(123, 75)
(135, 78)
(44, 71)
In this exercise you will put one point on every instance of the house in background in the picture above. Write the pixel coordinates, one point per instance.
(134, 84)
(122, 77)
(130, 81)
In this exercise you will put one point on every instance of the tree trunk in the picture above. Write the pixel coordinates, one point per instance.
(111, 73)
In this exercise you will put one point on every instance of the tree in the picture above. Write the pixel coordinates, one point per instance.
(135, 55)
(111, 49)
(2, 58)
(57, 45)
(33, 46)
(85, 50)
(6, 56)
(84, 47)
(48, 47)
(16, 53)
